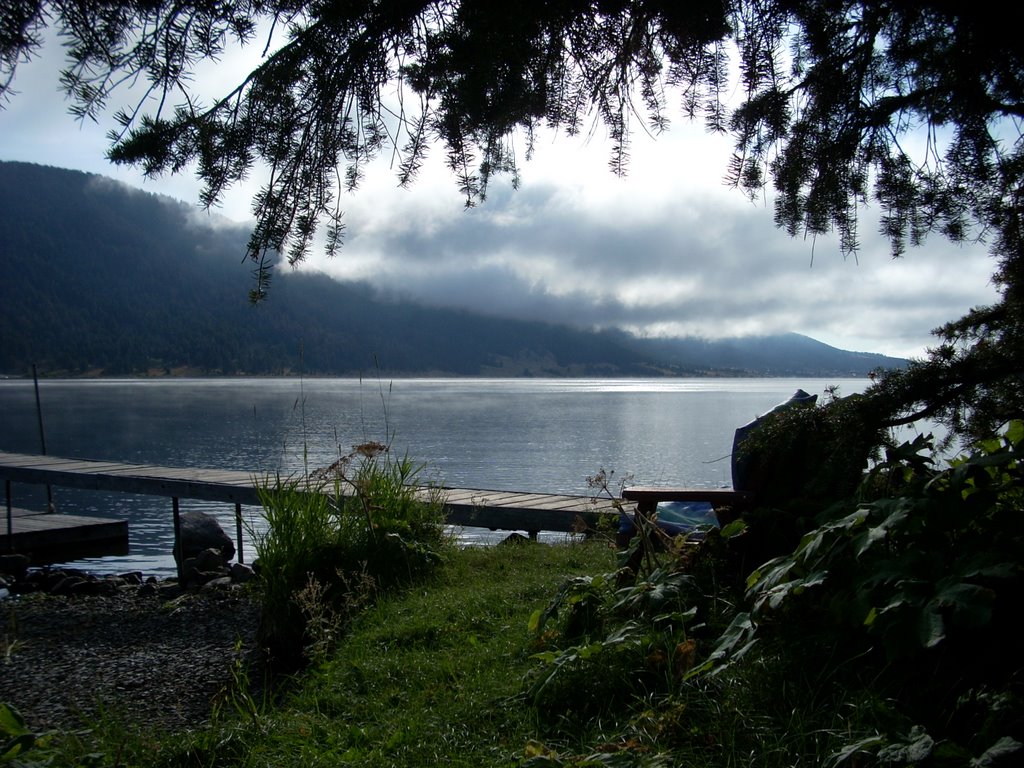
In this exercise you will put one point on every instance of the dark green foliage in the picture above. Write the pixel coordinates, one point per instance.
(917, 588)
(887, 636)
(616, 646)
(610, 643)
(913, 568)
(16, 739)
(800, 461)
(812, 454)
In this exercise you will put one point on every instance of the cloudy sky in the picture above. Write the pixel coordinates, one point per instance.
(667, 250)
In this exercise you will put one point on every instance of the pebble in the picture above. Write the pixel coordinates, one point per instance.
(153, 656)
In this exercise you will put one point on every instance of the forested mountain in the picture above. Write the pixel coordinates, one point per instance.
(103, 279)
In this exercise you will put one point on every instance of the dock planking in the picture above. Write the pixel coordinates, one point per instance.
(495, 510)
(52, 538)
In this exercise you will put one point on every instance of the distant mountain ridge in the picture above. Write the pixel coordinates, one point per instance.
(102, 279)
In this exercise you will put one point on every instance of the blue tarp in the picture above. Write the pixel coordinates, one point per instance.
(676, 517)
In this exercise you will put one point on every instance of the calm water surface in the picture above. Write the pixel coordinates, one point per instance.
(521, 434)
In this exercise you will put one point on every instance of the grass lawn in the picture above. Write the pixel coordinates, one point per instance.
(431, 676)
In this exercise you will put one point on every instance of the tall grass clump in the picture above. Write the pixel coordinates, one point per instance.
(336, 538)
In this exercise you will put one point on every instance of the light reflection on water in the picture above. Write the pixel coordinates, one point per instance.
(521, 435)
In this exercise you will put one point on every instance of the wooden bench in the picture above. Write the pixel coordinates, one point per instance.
(727, 503)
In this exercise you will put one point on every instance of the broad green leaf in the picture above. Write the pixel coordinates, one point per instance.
(587, 651)
(811, 543)
(740, 630)
(1005, 746)
(764, 568)
(735, 528)
(776, 595)
(917, 748)
(16, 746)
(856, 748)
(775, 575)
(11, 721)
(780, 593)
(897, 602)
(736, 656)
(971, 604)
(931, 629)
(535, 620)
(990, 446)
(981, 566)
(880, 532)
(814, 579)
(868, 539)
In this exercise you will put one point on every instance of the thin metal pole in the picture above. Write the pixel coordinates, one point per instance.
(238, 529)
(42, 435)
(10, 517)
(177, 537)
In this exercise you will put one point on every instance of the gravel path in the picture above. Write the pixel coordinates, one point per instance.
(146, 659)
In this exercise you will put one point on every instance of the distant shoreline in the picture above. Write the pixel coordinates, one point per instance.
(198, 375)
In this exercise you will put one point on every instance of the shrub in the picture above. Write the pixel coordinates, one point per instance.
(607, 642)
(919, 585)
(802, 460)
(887, 635)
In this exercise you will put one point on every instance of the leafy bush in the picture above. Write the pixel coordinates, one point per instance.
(333, 540)
(919, 583)
(887, 635)
(606, 642)
(913, 570)
(801, 460)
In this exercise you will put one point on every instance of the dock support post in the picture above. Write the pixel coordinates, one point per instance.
(177, 537)
(42, 436)
(10, 516)
(238, 530)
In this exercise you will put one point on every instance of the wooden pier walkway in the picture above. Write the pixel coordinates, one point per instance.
(53, 538)
(495, 510)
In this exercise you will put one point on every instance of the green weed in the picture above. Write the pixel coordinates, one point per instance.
(334, 540)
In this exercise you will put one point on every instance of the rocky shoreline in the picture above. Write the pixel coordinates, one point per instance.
(151, 653)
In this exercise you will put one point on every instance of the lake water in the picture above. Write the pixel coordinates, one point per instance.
(520, 434)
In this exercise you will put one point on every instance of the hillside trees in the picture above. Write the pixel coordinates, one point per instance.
(913, 106)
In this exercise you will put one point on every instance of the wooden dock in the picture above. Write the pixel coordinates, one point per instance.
(54, 538)
(495, 510)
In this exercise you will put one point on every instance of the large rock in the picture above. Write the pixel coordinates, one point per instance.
(207, 566)
(242, 573)
(200, 532)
